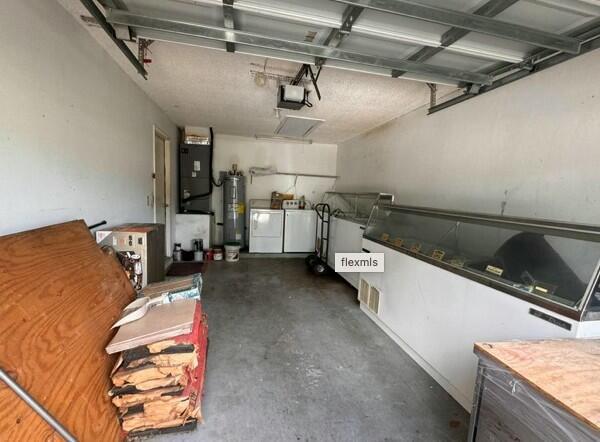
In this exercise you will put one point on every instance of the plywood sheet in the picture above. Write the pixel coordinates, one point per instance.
(158, 288)
(59, 296)
(159, 323)
(566, 371)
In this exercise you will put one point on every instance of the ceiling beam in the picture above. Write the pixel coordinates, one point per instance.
(118, 4)
(451, 36)
(349, 17)
(588, 33)
(228, 21)
(335, 37)
(110, 31)
(472, 22)
(312, 17)
(202, 31)
(582, 32)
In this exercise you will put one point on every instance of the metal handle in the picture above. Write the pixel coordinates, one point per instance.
(39, 409)
(93, 226)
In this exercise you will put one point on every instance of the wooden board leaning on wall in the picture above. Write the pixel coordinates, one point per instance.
(59, 296)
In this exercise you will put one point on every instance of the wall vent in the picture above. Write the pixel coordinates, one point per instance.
(363, 291)
(369, 295)
(374, 300)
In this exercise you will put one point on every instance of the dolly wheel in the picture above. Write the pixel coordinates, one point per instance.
(319, 268)
(311, 260)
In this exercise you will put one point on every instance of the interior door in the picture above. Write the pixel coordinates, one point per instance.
(160, 207)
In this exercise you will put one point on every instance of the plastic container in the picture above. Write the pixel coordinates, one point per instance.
(187, 255)
(198, 250)
(218, 254)
(177, 252)
(232, 252)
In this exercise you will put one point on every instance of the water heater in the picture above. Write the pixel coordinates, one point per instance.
(234, 207)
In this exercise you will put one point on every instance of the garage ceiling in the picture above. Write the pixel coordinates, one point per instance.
(362, 44)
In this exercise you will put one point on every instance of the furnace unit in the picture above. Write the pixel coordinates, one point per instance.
(194, 177)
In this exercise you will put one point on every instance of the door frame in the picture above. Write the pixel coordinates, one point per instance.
(157, 132)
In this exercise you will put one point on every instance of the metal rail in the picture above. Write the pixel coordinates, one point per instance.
(312, 175)
(110, 31)
(588, 33)
(336, 36)
(36, 406)
(314, 18)
(193, 29)
(544, 227)
(357, 194)
(471, 22)
(229, 21)
(451, 36)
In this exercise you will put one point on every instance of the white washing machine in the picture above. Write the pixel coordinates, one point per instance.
(266, 231)
(300, 231)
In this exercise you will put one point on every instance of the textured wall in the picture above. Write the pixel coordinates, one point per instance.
(531, 147)
(76, 133)
(285, 157)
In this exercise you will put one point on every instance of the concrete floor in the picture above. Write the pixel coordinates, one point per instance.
(292, 358)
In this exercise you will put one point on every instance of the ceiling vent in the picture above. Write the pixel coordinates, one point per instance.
(297, 127)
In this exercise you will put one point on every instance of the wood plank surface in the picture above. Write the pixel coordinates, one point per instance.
(59, 296)
(565, 371)
(159, 323)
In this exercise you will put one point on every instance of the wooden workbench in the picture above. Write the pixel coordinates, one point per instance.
(559, 381)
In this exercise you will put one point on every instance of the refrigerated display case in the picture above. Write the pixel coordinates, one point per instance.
(349, 215)
(547, 263)
(453, 278)
(355, 206)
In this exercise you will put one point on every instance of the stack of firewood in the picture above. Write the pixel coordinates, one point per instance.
(157, 387)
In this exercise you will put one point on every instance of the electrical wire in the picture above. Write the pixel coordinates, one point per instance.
(307, 103)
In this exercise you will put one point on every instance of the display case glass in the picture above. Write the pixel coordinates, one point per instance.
(548, 263)
(355, 206)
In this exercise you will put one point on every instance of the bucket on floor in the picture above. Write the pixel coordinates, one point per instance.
(232, 251)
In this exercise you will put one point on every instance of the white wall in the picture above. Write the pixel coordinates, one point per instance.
(285, 157)
(76, 133)
(534, 144)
